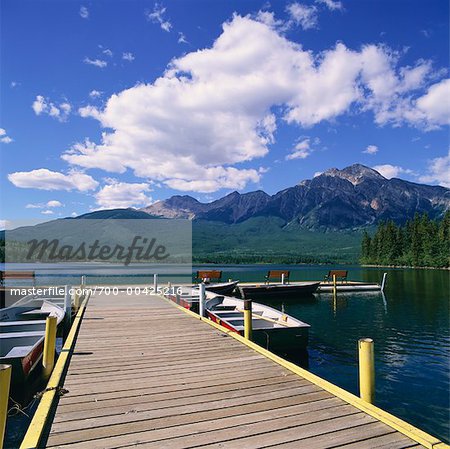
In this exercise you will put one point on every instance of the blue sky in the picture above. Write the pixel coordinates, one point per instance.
(121, 103)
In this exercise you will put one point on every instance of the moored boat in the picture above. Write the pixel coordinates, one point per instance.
(272, 329)
(278, 291)
(222, 288)
(22, 330)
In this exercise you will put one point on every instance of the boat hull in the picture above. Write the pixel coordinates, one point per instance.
(222, 289)
(23, 367)
(187, 303)
(22, 330)
(276, 340)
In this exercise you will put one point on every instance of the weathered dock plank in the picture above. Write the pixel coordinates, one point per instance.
(154, 377)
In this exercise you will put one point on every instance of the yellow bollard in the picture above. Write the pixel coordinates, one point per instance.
(366, 370)
(334, 285)
(248, 319)
(5, 381)
(48, 356)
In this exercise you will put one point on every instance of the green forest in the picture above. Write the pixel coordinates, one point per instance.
(420, 242)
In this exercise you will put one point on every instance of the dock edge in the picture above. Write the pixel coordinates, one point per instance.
(387, 418)
(33, 436)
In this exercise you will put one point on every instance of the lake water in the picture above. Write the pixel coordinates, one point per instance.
(409, 324)
(410, 327)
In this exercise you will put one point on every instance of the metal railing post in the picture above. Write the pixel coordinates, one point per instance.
(201, 299)
(383, 282)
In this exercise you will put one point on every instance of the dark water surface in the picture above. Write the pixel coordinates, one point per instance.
(409, 324)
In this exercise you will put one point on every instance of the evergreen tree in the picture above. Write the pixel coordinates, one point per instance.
(366, 247)
(419, 242)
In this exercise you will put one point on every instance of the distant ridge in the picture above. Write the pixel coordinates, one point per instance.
(353, 197)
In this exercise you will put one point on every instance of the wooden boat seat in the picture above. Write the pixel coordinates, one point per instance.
(256, 323)
(18, 323)
(224, 308)
(19, 351)
(235, 312)
(36, 312)
(25, 334)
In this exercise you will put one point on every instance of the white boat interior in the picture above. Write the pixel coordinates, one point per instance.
(19, 344)
(231, 311)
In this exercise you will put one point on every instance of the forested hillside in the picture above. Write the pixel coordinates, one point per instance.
(420, 242)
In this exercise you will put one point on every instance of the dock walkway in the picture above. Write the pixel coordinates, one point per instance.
(151, 376)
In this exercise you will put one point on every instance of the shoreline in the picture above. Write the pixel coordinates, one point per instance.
(405, 266)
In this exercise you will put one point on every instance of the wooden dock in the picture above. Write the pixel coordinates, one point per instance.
(151, 375)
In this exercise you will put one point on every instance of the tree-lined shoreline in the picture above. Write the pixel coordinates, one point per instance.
(419, 243)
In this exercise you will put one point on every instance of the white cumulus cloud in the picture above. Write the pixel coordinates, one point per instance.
(371, 149)
(158, 16)
(95, 93)
(4, 138)
(42, 105)
(182, 38)
(435, 104)
(5, 224)
(438, 171)
(392, 171)
(303, 15)
(95, 62)
(213, 109)
(45, 179)
(84, 12)
(49, 204)
(128, 56)
(123, 195)
(332, 5)
(301, 150)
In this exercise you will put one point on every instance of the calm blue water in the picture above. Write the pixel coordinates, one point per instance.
(410, 326)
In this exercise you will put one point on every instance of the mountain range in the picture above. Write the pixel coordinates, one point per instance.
(354, 197)
(318, 220)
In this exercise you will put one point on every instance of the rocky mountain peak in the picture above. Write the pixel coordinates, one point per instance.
(352, 197)
(355, 173)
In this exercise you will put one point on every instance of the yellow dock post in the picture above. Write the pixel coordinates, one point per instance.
(5, 381)
(248, 319)
(366, 370)
(48, 356)
(334, 285)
